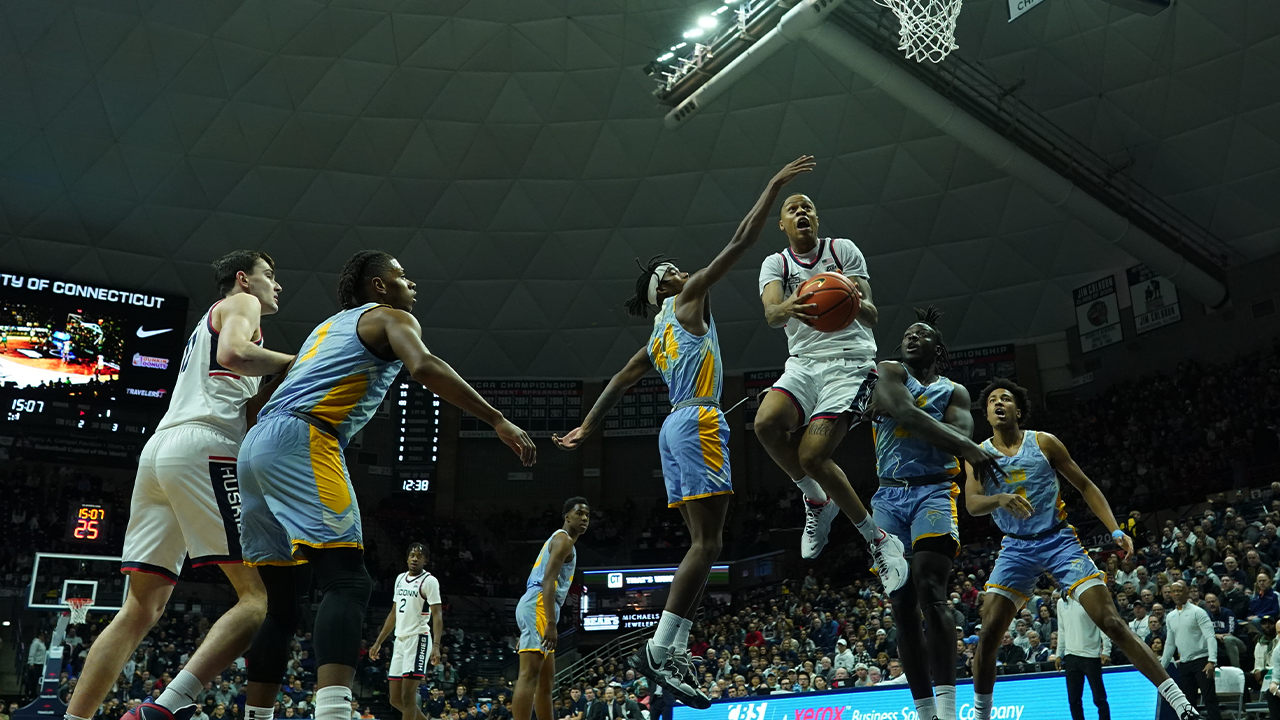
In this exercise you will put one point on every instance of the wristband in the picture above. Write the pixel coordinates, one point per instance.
(1117, 534)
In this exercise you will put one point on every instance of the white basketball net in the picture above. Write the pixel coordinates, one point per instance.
(928, 27)
(79, 609)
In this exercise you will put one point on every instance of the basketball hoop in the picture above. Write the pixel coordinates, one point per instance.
(928, 27)
(79, 609)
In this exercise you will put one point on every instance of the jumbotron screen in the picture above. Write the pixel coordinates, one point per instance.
(78, 360)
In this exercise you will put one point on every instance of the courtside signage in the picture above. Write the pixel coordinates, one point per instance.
(1040, 696)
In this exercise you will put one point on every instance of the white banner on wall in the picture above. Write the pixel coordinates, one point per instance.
(1155, 299)
(1098, 314)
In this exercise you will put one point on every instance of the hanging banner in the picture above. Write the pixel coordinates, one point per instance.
(1098, 314)
(1155, 299)
(975, 367)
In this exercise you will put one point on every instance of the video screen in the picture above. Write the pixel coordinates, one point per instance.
(66, 340)
(47, 347)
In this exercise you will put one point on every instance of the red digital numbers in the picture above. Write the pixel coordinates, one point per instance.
(86, 529)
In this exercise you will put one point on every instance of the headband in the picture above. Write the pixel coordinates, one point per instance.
(655, 278)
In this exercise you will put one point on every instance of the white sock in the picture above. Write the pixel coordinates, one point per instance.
(258, 713)
(869, 529)
(333, 703)
(1172, 694)
(663, 639)
(69, 716)
(945, 695)
(982, 706)
(681, 643)
(813, 492)
(925, 709)
(180, 692)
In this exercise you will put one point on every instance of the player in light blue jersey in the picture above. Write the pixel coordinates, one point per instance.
(299, 505)
(923, 422)
(1026, 504)
(694, 441)
(539, 610)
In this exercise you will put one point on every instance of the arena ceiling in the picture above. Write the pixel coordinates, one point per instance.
(509, 152)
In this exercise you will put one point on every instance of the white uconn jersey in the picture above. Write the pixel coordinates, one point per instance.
(838, 255)
(414, 596)
(206, 392)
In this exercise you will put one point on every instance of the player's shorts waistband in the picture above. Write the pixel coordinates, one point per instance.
(315, 422)
(221, 432)
(696, 402)
(1057, 528)
(918, 481)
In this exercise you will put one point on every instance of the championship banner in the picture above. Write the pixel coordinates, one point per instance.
(541, 407)
(1098, 314)
(974, 367)
(641, 411)
(1155, 299)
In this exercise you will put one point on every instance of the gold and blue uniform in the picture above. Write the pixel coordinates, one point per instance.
(296, 491)
(694, 442)
(918, 490)
(531, 616)
(1042, 543)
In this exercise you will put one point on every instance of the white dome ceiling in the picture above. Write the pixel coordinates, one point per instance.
(509, 152)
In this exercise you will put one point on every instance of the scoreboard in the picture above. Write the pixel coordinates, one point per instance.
(88, 523)
(417, 417)
(540, 407)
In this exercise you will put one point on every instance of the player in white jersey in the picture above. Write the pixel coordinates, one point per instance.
(186, 498)
(826, 385)
(418, 623)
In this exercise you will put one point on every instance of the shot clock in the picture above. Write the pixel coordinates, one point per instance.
(88, 523)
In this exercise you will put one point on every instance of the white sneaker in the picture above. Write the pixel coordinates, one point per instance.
(891, 566)
(817, 525)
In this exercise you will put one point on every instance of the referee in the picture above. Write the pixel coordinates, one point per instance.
(1081, 645)
(1191, 635)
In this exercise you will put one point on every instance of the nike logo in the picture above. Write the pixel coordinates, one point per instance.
(148, 333)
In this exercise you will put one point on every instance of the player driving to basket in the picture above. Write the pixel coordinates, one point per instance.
(685, 349)
(418, 623)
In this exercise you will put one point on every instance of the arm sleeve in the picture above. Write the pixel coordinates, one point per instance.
(770, 270)
(431, 590)
(1206, 627)
(850, 257)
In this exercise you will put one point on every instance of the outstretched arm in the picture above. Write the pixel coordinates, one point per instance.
(404, 335)
(892, 397)
(637, 367)
(747, 233)
(1062, 462)
(240, 315)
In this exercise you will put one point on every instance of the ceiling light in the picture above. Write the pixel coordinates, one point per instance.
(666, 57)
(694, 33)
(707, 22)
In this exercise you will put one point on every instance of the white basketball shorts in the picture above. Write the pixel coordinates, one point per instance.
(186, 502)
(827, 388)
(410, 658)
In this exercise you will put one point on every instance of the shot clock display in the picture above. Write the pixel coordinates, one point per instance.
(88, 523)
(417, 414)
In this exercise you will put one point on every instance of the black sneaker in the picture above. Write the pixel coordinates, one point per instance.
(1191, 714)
(667, 675)
(686, 672)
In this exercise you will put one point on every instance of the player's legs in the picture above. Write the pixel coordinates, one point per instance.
(705, 519)
(997, 613)
(522, 699)
(404, 697)
(231, 635)
(911, 642)
(345, 586)
(545, 687)
(820, 441)
(930, 569)
(777, 416)
(142, 608)
(268, 654)
(1097, 602)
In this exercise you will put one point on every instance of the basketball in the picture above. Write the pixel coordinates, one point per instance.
(836, 299)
